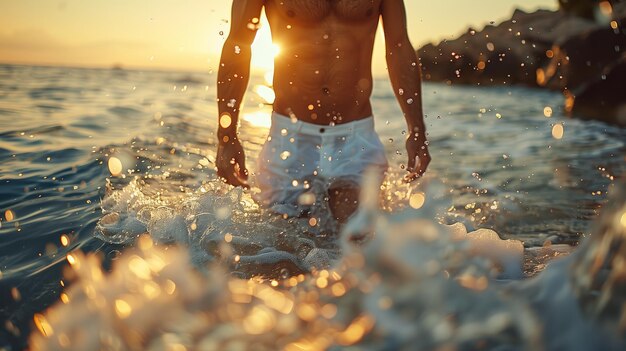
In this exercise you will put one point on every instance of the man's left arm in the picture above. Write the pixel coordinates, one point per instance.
(405, 76)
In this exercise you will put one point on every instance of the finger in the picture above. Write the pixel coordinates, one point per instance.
(416, 171)
(242, 183)
(234, 180)
(230, 176)
(242, 170)
(410, 177)
(412, 162)
(423, 166)
(240, 176)
(221, 174)
(425, 162)
(420, 172)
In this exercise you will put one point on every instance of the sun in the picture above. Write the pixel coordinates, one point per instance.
(263, 49)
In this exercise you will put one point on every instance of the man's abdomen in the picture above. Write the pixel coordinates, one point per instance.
(324, 81)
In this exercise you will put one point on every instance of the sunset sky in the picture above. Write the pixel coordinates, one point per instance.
(185, 34)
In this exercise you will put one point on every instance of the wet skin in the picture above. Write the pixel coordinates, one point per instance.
(323, 72)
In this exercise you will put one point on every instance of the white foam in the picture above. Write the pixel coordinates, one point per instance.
(413, 284)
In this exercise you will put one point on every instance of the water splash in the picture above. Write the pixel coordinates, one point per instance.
(218, 222)
(414, 284)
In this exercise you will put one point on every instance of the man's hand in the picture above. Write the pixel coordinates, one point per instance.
(231, 163)
(419, 157)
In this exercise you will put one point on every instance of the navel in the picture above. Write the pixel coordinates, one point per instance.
(291, 13)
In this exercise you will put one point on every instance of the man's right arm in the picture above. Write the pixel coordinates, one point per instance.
(232, 81)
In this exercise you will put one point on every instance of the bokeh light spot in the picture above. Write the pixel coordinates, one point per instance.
(547, 111)
(417, 200)
(115, 166)
(557, 131)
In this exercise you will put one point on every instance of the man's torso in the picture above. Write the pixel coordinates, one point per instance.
(323, 72)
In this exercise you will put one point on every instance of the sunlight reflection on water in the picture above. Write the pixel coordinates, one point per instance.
(508, 174)
(415, 284)
(261, 119)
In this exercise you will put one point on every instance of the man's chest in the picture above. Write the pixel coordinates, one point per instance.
(316, 10)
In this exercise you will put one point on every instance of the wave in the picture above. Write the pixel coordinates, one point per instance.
(413, 284)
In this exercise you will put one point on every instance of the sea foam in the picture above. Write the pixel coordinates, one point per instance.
(411, 284)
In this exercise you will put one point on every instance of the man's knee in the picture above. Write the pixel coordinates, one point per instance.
(343, 199)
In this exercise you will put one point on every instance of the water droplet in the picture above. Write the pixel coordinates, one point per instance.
(306, 199)
(115, 166)
(42, 325)
(225, 121)
(9, 215)
(417, 200)
(557, 131)
(409, 101)
(122, 308)
(228, 237)
(547, 111)
(285, 155)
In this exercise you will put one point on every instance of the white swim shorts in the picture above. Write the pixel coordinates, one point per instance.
(298, 154)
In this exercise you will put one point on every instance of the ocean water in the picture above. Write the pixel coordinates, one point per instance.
(500, 162)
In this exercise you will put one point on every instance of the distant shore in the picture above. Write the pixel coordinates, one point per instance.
(583, 58)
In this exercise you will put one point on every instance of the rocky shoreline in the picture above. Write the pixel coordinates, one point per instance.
(584, 58)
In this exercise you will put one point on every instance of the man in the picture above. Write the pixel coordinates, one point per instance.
(322, 125)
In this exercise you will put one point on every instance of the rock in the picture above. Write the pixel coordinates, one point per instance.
(583, 58)
(509, 53)
(604, 99)
(581, 8)
(558, 50)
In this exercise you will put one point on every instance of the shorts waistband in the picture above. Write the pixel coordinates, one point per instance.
(294, 125)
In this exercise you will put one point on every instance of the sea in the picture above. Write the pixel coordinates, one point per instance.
(93, 159)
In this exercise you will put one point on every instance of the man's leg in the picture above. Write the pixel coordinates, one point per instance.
(343, 199)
